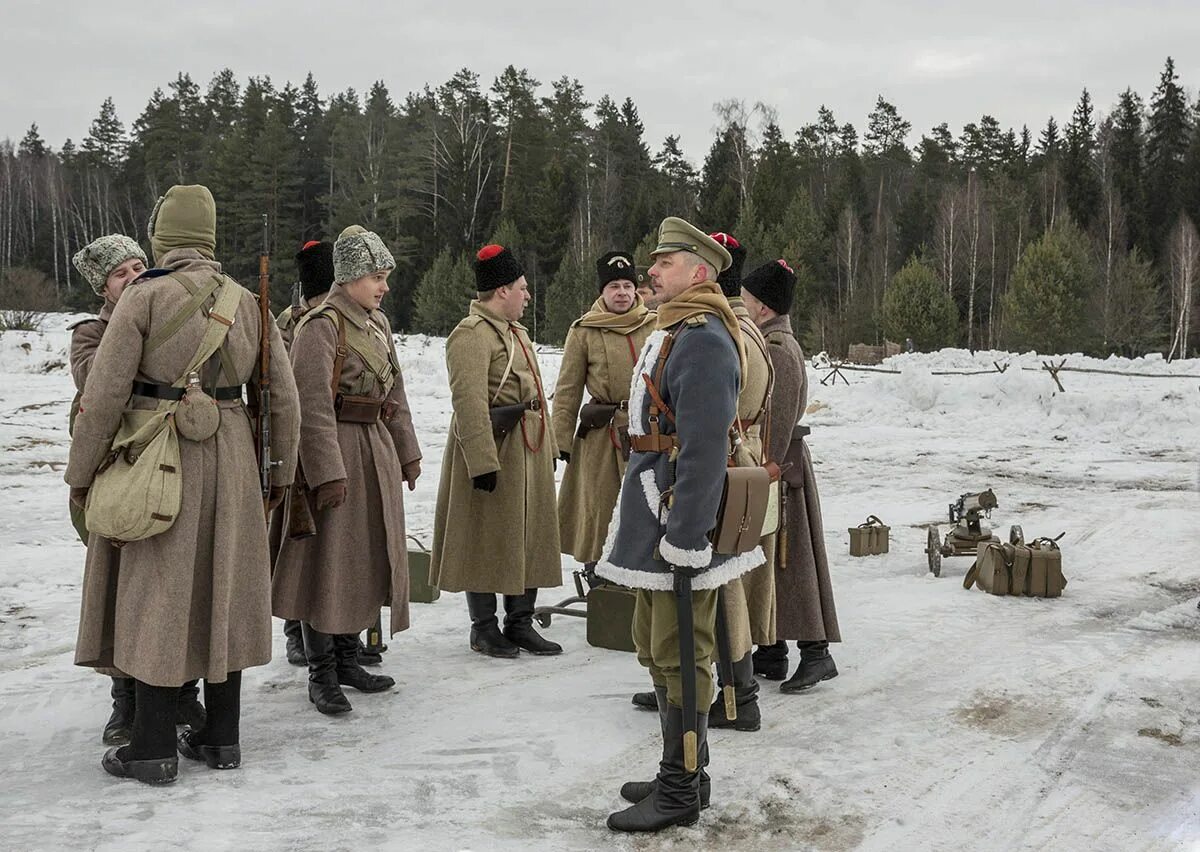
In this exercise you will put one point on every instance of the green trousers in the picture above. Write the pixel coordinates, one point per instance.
(656, 636)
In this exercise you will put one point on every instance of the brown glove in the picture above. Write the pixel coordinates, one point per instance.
(278, 492)
(331, 495)
(79, 496)
(411, 472)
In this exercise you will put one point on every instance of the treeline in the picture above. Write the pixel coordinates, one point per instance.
(1079, 236)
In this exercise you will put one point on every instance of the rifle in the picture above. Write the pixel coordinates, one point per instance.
(687, 665)
(264, 369)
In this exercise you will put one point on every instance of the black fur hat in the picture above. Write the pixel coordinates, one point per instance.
(731, 279)
(315, 263)
(495, 267)
(616, 266)
(773, 284)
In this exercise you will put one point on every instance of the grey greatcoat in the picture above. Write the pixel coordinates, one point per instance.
(803, 588)
(700, 384)
(194, 601)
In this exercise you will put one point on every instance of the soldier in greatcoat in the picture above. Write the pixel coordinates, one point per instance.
(192, 601)
(804, 590)
(357, 451)
(601, 349)
(314, 264)
(496, 526)
(679, 431)
(109, 264)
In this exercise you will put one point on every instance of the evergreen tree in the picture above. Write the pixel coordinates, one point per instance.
(1079, 169)
(570, 294)
(1167, 136)
(917, 306)
(1128, 158)
(1044, 307)
(444, 294)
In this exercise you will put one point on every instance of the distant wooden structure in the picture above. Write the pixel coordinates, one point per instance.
(863, 353)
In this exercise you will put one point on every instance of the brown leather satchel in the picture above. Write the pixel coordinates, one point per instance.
(506, 418)
(357, 409)
(744, 510)
(595, 415)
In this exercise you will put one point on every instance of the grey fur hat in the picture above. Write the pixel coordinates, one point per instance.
(101, 256)
(359, 252)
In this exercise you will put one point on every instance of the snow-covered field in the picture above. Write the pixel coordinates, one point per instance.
(959, 721)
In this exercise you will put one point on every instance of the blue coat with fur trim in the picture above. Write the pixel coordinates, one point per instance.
(645, 538)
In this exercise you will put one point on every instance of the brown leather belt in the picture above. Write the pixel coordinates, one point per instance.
(357, 409)
(744, 425)
(623, 405)
(653, 443)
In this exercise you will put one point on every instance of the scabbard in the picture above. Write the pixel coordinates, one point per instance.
(374, 643)
(687, 667)
(724, 659)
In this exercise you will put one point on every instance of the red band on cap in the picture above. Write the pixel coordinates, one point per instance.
(488, 252)
(309, 245)
(783, 263)
(726, 240)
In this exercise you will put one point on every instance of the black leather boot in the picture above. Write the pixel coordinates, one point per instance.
(189, 711)
(120, 723)
(350, 673)
(295, 642)
(771, 661)
(518, 625)
(217, 745)
(486, 637)
(745, 688)
(675, 799)
(150, 756)
(815, 666)
(645, 701)
(635, 791)
(323, 688)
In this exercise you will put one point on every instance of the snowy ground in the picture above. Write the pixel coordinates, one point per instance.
(959, 720)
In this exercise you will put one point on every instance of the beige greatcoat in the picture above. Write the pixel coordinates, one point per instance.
(750, 599)
(85, 340)
(601, 360)
(193, 601)
(803, 587)
(358, 561)
(506, 541)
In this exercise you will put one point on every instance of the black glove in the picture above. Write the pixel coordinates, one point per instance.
(485, 482)
(565, 456)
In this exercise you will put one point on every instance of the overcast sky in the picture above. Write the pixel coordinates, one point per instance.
(936, 61)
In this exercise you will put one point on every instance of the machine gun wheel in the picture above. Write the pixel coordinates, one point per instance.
(933, 549)
(1016, 535)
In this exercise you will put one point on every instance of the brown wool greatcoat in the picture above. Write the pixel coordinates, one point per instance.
(85, 340)
(193, 601)
(750, 599)
(358, 561)
(803, 588)
(507, 541)
(600, 360)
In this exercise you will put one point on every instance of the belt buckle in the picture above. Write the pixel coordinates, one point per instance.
(535, 405)
(623, 405)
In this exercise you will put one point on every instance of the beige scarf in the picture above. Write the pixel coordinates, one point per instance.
(705, 298)
(599, 316)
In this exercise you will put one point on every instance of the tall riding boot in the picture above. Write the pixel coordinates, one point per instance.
(323, 688)
(645, 701)
(771, 661)
(745, 689)
(350, 673)
(815, 666)
(486, 637)
(120, 723)
(189, 711)
(150, 756)
(635, 791)
(217, 745)
(295, 642)
(675, 799)
(518, 625)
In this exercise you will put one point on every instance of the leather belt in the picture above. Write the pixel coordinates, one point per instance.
(653, 443)
(175, 394)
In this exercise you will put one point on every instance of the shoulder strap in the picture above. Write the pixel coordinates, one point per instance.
(199, 297)
(339, 356)
(512, 353)
(220, 320)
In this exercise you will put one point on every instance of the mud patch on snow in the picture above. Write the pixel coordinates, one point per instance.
(784, 816)
(1003, 715)
(1168, 737)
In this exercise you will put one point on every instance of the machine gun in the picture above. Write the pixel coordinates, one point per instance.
(967, 514)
